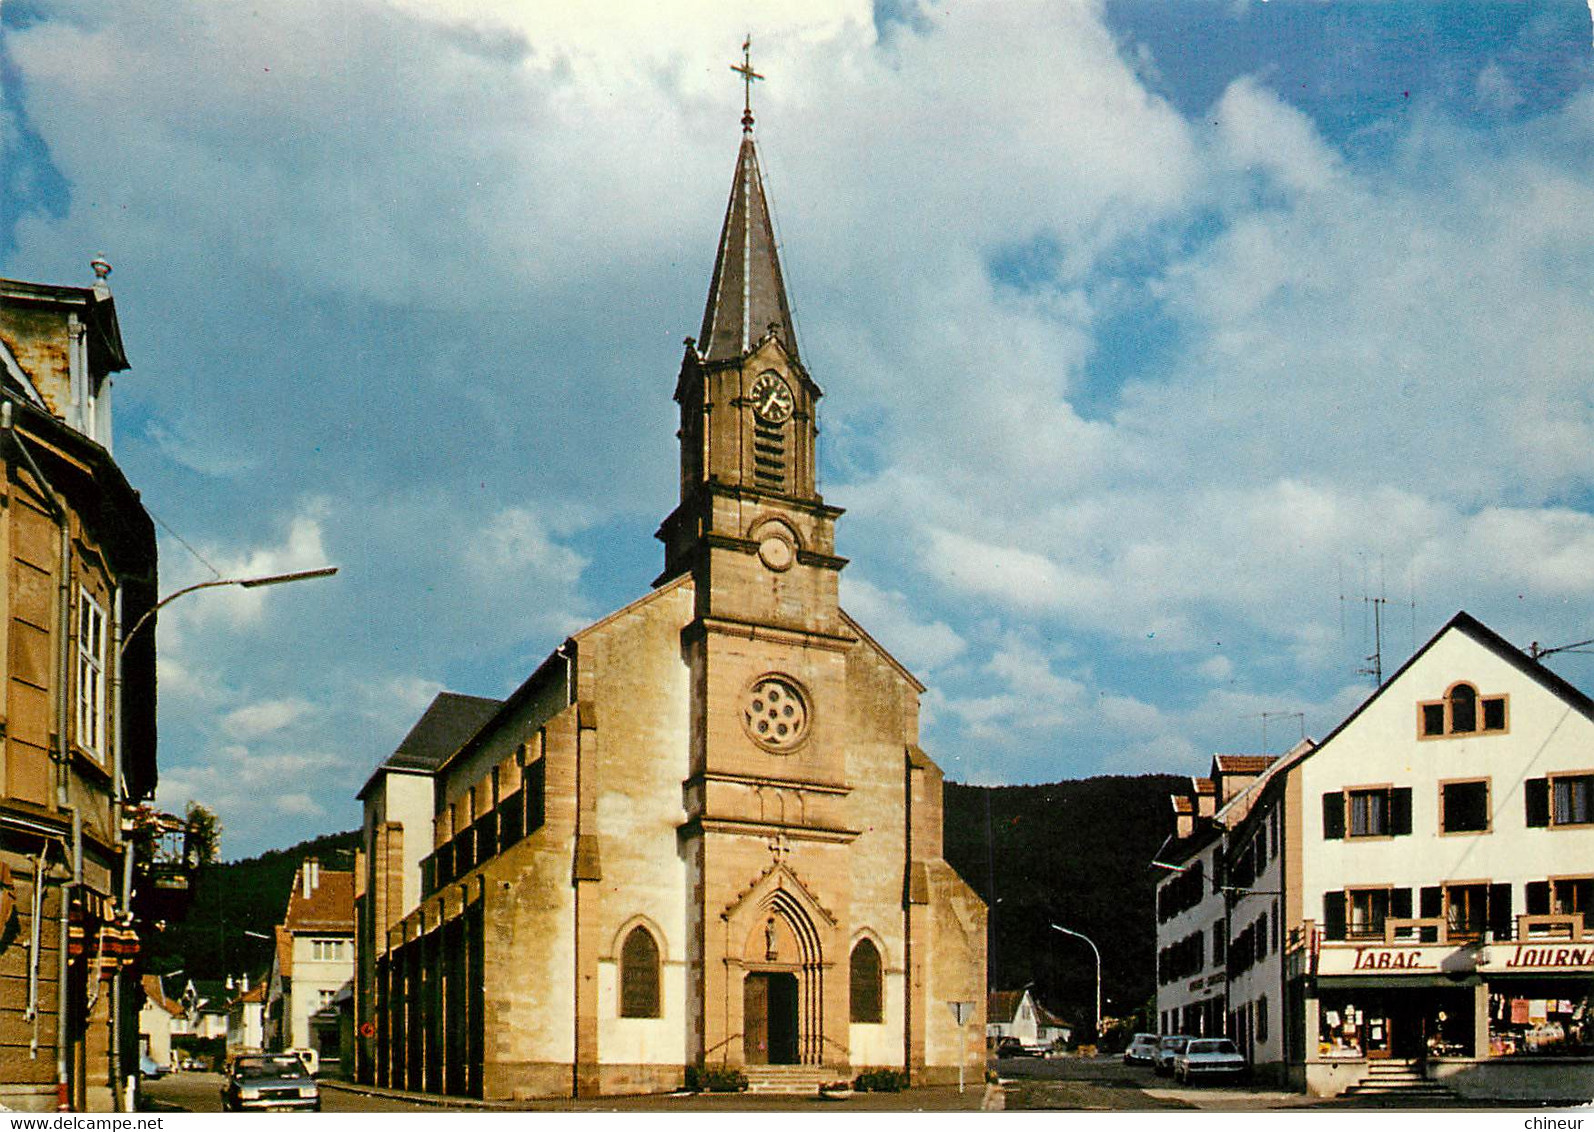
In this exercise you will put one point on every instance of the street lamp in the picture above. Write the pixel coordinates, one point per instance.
(244, 583)
(1097, 952)
(117, 782)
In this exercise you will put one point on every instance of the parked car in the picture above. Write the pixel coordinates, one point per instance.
(1202, 1058)
(149, 1067)
(1012, 1047)
(1141, 1050)
(268, 1081)
(1168, 1047)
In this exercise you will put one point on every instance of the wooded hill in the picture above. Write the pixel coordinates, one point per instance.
(236, 898)
(1073, 853)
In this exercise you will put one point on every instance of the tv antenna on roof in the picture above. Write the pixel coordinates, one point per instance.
(1539, 652)
(1298, 716)
(1375, 660)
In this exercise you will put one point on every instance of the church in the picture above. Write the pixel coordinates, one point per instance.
(702, 833)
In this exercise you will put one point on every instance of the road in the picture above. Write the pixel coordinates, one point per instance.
(1106, 1084)
(201, 1092)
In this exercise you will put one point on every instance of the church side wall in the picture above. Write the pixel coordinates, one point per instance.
(882, 723)
(529, 929)
(632, 671)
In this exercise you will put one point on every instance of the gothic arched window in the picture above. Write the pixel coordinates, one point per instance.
(639, 975)
(867, 995)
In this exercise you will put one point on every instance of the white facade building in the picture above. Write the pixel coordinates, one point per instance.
(314, 961)
(1409, 903)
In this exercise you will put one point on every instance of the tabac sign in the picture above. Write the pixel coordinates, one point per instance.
(1495, 958)
(1383, 960)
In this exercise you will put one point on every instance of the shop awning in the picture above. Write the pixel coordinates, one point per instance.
(1395, 982)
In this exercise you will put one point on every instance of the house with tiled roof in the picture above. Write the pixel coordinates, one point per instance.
(314, 960)
(246, 1014)
(158, 1019)
(1017, 1014)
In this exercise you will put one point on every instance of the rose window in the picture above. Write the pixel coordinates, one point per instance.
(775, 713)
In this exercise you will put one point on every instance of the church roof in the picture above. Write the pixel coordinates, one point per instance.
(442, 729)
(747, 295)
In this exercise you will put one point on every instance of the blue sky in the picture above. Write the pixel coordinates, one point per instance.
(1155, 336)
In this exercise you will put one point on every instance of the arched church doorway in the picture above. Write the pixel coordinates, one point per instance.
(769, 1018)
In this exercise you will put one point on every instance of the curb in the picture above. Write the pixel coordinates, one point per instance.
(430, 1099)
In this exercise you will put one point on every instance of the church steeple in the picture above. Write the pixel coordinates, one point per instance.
(749, 424)
(747, 295)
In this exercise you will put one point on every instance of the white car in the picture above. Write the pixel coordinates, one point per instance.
(1142, 1050)
(1207, 1057)
(1168, 1047)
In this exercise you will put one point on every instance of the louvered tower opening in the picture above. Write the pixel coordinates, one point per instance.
(769, 455)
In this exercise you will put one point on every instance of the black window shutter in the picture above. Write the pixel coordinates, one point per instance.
(1400, 810)
(1333, 815)
(1537, 793)
(1400, 903)
(1433, 901)
(1334, 915)
(1500, 924)
(1538, 897)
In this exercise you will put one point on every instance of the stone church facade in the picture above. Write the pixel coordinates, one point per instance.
(702, 832)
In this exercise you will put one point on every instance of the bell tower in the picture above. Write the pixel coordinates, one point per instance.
(751, 524)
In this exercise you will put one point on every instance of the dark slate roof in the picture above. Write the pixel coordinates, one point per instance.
(1001, 1005)
(747, 293)
(442, 729)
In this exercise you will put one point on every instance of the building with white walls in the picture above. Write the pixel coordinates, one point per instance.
(1420, 917)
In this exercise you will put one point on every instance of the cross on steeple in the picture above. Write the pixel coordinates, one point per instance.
(748, 77)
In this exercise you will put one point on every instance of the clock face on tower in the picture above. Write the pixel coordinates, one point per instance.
(772, 397)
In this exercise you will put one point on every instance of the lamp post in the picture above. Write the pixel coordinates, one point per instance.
(1097, 953)
(118, 784)
(243, 583)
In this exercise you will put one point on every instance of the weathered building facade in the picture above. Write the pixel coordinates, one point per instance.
(77, 710)
(702, 832)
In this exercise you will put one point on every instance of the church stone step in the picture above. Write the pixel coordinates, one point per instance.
(791, 1078)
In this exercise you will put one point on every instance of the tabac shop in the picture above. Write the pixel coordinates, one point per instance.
(1528, 999)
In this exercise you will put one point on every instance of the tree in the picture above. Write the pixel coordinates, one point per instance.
(202, 838)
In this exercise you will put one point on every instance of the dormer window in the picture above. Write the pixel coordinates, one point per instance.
(1462, 712)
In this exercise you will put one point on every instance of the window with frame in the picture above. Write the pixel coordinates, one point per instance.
(1261, 1019)
(1368, 908)
(867, 991)
(1368, 811)
(1464, 806)
(639, 975)
(1563, 896)
(327, 950)
(90, 674)
(1572, 800)
(1467, 910)
(1219, 944)
(1560, 799)
(1462, 711)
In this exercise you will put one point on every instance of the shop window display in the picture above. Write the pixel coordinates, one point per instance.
(1549, 1018)
(1401, 1024)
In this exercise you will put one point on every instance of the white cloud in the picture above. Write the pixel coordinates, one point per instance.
(888, 616)
(255, 721)
(1113, 393)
